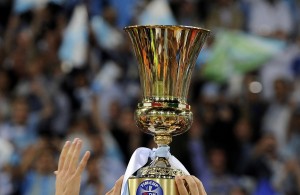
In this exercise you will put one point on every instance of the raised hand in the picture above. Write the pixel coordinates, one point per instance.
(68, 175)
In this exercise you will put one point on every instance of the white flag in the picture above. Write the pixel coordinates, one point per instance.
(106, 36)
(157, 12)
(75, 39)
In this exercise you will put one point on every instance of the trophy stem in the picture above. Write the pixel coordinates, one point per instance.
(162, 140)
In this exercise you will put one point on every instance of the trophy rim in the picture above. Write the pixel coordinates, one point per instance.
(166, 27)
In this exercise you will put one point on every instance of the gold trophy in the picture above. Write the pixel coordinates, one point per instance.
(167, 55)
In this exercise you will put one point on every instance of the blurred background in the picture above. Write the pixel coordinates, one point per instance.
(67, 70)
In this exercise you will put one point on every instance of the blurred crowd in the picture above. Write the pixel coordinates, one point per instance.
(245, 138)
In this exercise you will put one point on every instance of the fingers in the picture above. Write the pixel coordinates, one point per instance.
(82, 163)
(63, 155)
(199, 185)
(110, 192)
(69, 156)
(117, 188)
(182, 190)
(118, 184)
(75, 156)
(189, 185)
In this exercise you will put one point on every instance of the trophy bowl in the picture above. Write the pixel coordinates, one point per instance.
(167, 55)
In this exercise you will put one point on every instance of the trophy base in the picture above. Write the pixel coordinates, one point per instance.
(152, 186)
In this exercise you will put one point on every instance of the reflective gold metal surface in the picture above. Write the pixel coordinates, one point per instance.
(166, 55)
(163, 139)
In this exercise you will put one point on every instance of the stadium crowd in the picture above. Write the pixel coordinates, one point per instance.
(245, 138)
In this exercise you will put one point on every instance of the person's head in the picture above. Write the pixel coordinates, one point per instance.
(20, 110)
(81, 79)
(97, 144)
(218, 160)
(93, 169)
(110, 15)
(4, 81)
(237, 190)
(210, 93)
(81, 124)
(209, 114)
(282, 89)
(126, 120)
(114, 110)
(188, 7)
(224, 3)
(268, 145)
(197, 128)
(242, 130)
(24, 39)
(294, 126)
(35, 67)
(45, 161)
(272, 2)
